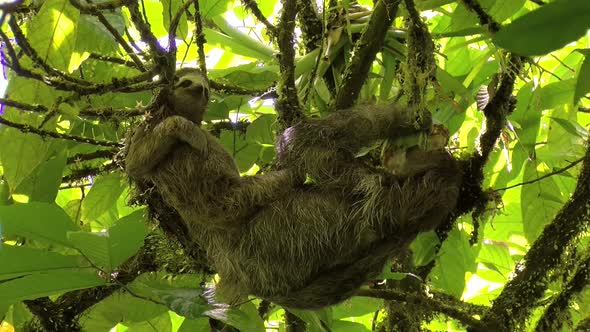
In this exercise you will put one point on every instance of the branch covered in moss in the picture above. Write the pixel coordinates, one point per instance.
(521, 294)
(312, 27)
(200, 38)
(165, 63)
(365, 50)
(463, 313)
(287, 106)
(485, 19)
(421, 67)
(25, 128)
(558, 311)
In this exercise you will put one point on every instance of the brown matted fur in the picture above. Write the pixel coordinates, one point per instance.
(298, 245)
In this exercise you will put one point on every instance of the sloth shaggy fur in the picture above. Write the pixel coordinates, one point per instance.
(300, 245)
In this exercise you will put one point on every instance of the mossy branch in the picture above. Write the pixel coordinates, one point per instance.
(365, 50)
(287, 106)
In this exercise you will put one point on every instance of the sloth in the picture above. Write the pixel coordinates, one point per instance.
(309, 234)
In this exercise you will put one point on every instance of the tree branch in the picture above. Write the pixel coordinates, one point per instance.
(25, 128)
(312, 27)
(484, 18)
(365, 50)
(287, 105)
(253, 8)
(421, 65)
(80, 157)
(200, 39)
(558, 311)
(463, 313)
(165, 64)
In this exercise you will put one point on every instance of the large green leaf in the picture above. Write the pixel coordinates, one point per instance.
(119, 308)
(548, 28)
(43, 184)
(249, 75)
(53, 34)
(170, 8)
(212, 8)
(20, 155)
(37, 221)
(244, 153)
(102, 196)
(46, 284)
(18, 261)
(95, 38)
(108, 250)
(457, 257)
(540, 201)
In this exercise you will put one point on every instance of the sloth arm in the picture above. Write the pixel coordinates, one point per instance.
(149, 147)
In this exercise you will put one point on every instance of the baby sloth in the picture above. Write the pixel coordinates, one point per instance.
(299, 245)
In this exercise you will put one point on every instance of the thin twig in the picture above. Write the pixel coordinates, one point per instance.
(200, 38)
(561, 170)
(174, 26)
(80, 157)
(25, 128)
(113, 59)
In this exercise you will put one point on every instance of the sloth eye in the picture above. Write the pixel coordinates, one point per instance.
(185, 84)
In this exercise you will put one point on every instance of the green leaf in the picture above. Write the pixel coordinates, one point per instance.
(18, 261)
(127, 236)
(170, 8)
(102, 196)
(540, 201)
(245, 154)
(46, 284)
(20, 154)
(212, 8)
(555, 94)
(355, 306)
(46, 179)
(503, 9)
(457, 257)
(548, 28)
(53, 34)
(249, 75)
(346, 326)
(260, 131)
(119, 308)
(583, 77)
(37, 221)
(424, 248)
(244, 319)
(191, 325)
(572, 127)
(108, 250)
(96, 38)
